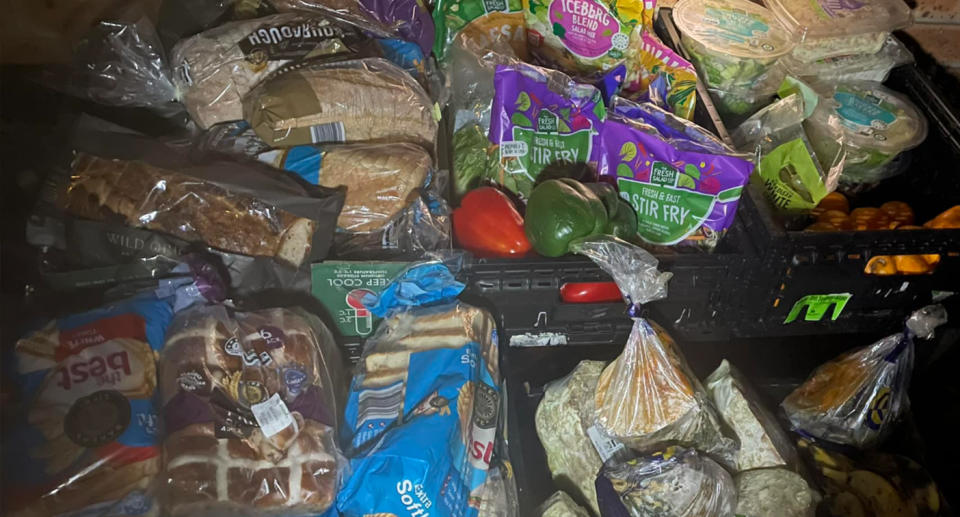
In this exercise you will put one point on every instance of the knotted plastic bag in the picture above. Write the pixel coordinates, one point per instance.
(648, 395)
(857, 398)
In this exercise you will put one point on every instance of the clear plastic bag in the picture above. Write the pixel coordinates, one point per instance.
(561, 505)
(858, 398)
(763, 443)
(86, 438)
(564, 420)
(365, 100)
(251, 408)
(673, 482)
(215, 69)
(871, 67)
(774, 492)
(424, 403)
(648, 395)
(796, 178)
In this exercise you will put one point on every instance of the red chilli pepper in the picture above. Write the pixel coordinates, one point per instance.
(590, 292)
(488, 225)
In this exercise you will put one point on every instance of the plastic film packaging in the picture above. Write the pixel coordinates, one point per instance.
(793, 174)
(481, 25)
(852, 67)
(565, 421)
(775, 492)
(250, 412)
(424, 403)
(763, 443)
(86, 440)
(216, 68)
(561, 505)
(673, 482)
(657, 74)
(365, 100)
(857, 398)
(408, 19)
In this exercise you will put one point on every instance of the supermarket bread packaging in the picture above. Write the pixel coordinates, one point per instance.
(250, 406)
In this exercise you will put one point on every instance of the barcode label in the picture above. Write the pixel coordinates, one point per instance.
(605, 445)
(381, 404)
(323, 133)
(272, 415)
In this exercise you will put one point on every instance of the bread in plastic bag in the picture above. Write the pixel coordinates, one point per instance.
(424, 404)
(858, 398)
(673, 482)
(251, 409)
(365, 100)
(648, 395)
(216, 68)
(763, 443)
(774, 492)
(564, 419)
(561, 505)
(87, 439)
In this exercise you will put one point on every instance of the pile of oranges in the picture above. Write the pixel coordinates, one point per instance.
(833, 214)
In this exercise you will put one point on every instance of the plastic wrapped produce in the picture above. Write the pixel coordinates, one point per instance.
(673, 482)
(877, 124)
(543, 123)
(733, 43)
(564, 420)
(852, 67)
(250, 413)
(655, 73)
(763, 443)
(857, 398)
(681, 192)
(561, 505)
(485, 25)
(87, 440)
(366, 100)
(829, 29)
(648, 396)
(774, 492)
(425, 401)
(584, 37)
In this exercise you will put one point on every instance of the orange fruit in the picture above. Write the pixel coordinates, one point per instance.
(949, 219)
(932, 259)
(898, 211)
(909, 227)
(837, 218)
(911, 264)
(832, 201)
(821, 227)
(881, 265)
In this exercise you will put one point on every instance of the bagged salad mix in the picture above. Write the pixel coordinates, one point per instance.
(484, 22)
(541, 121)
(584, 37)
(682, 190)
(423, 407)
(857, 398)
(657, 74)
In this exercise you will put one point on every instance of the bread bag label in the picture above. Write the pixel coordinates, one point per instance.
(296, 40)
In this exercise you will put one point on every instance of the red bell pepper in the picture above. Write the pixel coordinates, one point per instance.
(590, 292)
(488, 225)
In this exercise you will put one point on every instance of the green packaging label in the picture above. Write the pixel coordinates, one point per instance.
(817, 306)
(340, 285)
(791, 177)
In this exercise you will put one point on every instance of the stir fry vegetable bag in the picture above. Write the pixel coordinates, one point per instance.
(857, 398)
(648, 395)
(583, 37)
(673, 482)
(423, 407)
(543, 123)
(657, 74)
(681, 193)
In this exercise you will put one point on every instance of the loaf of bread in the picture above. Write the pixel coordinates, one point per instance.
(144, 196)
(250, 412)
(365, 100)
(216, 68)
(381, 179)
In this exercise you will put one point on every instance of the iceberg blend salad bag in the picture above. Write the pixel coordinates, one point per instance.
(583, 37)
(543, 123)
(483, 22)
(857, 398)
(681, 190)
(657, 74)
(423, 407)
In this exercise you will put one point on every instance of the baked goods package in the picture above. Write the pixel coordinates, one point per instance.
(215, 69)
(251, 406)
(566, 426)
(672, 482)
(561, 505)
(648, 396)
(424, 403)
(85, 440)
(763, 443)
(858, 398)
(143, 183)
(357, 101)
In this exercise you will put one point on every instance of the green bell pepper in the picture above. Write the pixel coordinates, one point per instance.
(621, 219)
(561, 211)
